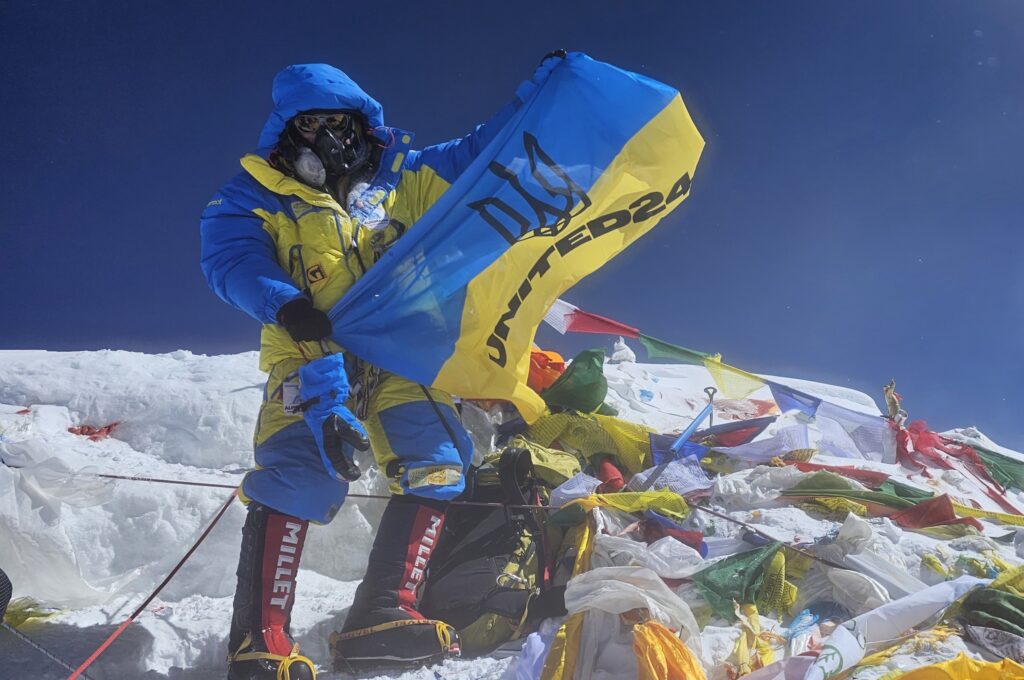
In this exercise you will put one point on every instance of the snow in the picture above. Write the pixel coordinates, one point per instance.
(181, 416)
(92, 548)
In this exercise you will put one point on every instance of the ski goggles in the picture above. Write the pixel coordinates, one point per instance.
(312, 122)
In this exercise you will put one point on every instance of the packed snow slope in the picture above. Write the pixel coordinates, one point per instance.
(91, 548)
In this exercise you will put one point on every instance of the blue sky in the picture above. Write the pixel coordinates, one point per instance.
(857, 214)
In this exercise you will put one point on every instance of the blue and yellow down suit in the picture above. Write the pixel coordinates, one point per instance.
(268, 238)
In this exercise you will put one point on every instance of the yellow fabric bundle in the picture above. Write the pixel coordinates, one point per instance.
(834, 506)
(632, 442)
(661, 655)
(27, 613)
(998, 562)
(924, 639)
(932, 562)
(581, 433)
(967, 511)
(797, 564)
(963, 667)
(973, 566)
(1012, 581)
(560, 663)
(590, 435)
(663, 501)
(752, 638)
(776, 594)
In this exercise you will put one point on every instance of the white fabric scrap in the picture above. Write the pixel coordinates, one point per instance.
(857, 592)
(579, 485)
(851, 434)
(852, 548)
(667, 557)
(559, 315)
(754, 488)
(681, 476)
(724, 546)
(793, 668)
(530, 662)
(605, 653)
(620, 589)
(784, 440)
(846, 646)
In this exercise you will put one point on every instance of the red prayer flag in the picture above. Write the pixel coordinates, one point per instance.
(931, 513)
(585, 322)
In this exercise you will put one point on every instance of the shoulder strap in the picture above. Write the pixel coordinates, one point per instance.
(515, 473)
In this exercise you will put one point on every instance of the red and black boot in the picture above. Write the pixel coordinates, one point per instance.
(383, 627)
(260, 646)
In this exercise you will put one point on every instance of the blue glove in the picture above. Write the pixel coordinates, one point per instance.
(323, 389)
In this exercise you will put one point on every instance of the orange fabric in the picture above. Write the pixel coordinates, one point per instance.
(545, 367)
(94, 434)
(610, 475)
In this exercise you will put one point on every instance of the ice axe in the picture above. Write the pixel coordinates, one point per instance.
(711, 392)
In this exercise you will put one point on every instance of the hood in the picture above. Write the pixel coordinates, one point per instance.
(302, 87)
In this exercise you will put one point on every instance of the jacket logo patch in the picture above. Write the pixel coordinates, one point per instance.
(300, 208)
(315, 274)
(434, 476)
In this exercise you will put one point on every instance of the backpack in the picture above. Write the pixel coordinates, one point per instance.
(488, 572)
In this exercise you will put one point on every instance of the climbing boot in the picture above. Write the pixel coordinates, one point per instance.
(260, 646)
(384, 627)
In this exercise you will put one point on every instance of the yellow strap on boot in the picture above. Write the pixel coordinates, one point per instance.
(444, 636)
(284, 663)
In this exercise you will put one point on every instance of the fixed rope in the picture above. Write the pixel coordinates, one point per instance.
(77, 673)
(755, 530)
(510, 506)
(80, 671)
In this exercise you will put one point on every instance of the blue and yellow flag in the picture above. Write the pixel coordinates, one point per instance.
(593, 159)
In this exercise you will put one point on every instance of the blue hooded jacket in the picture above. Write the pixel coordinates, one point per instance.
(305, 87)
(268, 239)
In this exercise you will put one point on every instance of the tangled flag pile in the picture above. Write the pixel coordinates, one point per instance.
(593, 159)
(817, 542)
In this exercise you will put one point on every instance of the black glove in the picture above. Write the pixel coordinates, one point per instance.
(561, 54)
(338, 433)
(303, 321)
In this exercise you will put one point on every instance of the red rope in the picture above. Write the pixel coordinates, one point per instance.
(127, 622)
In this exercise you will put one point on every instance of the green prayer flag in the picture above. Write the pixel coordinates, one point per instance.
(736, 578)
(830, 484)
(1005, 470)
(582, 387)
(659, 349)
(994, 609)
(897, 488)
